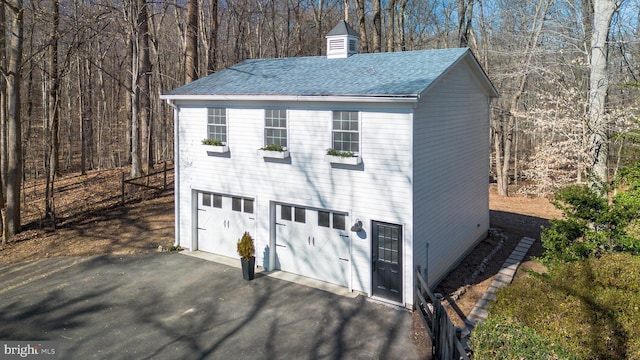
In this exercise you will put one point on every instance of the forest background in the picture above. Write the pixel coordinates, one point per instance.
(82, 78)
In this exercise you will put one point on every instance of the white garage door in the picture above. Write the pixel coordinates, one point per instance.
(313, 243)
(222, 219)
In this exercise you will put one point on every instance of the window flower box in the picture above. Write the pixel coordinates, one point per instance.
(217, 149)
(272, 154)
(343, 160)
(215, 146)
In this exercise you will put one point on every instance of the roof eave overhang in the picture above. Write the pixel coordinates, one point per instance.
(409, 98)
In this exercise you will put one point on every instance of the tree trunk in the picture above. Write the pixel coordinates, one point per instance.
(3, 104)
(377, 27)
(191, 42)
(403, 32)
(465, 8)
(54, 119)
(391, 26)
(136, 161)
(212, 65)
(362, 29)
(598, 87)
(14, 129)
(146, 158)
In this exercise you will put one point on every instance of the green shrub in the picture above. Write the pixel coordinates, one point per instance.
(273, 147)
(506, 338)
(334, 152)
(214, 142)
(593, 225)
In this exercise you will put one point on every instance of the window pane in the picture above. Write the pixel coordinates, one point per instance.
(217, 201)
(236, 204)
(285, 212)
(217, 124)
(345, 131)
(275, 127)
(206, 199)
(338, 221)
(248, 206)
(300, 215)
(323, 218)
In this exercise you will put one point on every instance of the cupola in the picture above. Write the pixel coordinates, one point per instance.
(342, 41)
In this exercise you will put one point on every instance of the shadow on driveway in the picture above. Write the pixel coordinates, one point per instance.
(169, 306)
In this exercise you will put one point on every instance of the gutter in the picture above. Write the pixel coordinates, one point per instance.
(176, 171)
(407, 98)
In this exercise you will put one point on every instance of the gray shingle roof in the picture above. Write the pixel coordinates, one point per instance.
(342, 28)
(406, 73)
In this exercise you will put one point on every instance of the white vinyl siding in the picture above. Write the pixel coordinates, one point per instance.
(382, 192)
(451, 172)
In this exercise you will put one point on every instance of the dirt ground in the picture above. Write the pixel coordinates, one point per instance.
(91, 221)
(512, 218)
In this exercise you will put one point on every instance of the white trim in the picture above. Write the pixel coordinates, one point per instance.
(408, 98)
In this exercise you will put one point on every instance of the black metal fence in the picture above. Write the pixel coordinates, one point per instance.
(148, 181)
(445, 338)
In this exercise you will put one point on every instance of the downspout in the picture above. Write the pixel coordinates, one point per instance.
(176, 171)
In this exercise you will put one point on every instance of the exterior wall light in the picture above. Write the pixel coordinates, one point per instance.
(357, 226)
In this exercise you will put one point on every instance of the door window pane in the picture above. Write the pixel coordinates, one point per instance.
(248, 206)
(236, 204)
(217, 201)
(339, 221)
(301, 215)
(285, 212)
(323, 218)
(206, 199)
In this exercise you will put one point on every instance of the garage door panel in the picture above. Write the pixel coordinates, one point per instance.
(307, 244)
(219, 226)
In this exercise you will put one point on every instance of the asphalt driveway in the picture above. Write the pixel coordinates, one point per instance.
(171, 306)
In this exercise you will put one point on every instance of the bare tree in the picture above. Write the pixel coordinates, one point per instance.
(146, 157)
(191, 42)
(504, 120)
(377, 27)
(362, 29)
(465, 16)
(51, 156)
(212, 65)
(391, 26)
(14, 129)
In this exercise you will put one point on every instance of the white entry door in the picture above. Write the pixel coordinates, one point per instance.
(313, 243)
(222, 219)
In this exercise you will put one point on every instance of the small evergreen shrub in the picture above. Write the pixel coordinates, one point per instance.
(246, 249)
(593, 225)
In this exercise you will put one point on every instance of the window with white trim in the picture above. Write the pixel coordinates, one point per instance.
(345, 133)
(275, 128)
(217, 124)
